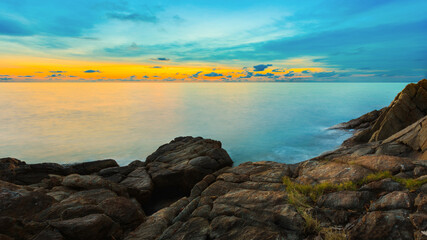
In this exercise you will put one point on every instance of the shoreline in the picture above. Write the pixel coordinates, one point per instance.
(372, 187)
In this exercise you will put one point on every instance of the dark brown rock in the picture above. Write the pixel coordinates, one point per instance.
(123, 211)
(139, 184)
(393, 225)
(185, 161)
(393, 200)
(387, 185)
(92, 182)
(355, 200)
(92, 167)
(94, 226)
(20, 203)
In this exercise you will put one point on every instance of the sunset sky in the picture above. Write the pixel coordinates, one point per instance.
(183, 40)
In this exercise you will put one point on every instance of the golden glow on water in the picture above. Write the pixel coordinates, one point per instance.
(285, 122)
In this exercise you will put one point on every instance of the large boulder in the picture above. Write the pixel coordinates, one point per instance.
(409, 106)
(185, 161)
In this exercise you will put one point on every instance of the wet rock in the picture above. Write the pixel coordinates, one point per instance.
(394, 224)
(393, 200)
(94, 226)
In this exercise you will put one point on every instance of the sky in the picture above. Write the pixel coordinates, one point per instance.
(228, 41)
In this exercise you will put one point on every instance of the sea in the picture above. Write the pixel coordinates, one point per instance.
(126, 121)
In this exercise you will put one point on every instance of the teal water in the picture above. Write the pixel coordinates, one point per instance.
(283, 122)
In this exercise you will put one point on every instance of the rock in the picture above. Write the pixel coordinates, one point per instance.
(387, 185)
(361, 122)
(419, 220)
(123, 211)
(18, 202)
(139, 184)
(92, 182)
(414, 137)
(92, 167)
(354, 200)
(195, 228)
(231, 227)
(384, 163)
(94, 226)
(185, 161)
(18, 229)
(330, 171)
(115, 174)
(408, 107)
(421, 202)
(394, 224)
(80, 211)
(49, 234)
(93, 196)
(393, 200)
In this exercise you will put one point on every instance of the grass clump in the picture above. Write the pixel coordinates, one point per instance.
(411, 184)
(375, 177)
(333, 234)
(312, 225)
(313, 192)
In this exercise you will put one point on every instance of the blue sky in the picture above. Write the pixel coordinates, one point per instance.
(224, 40)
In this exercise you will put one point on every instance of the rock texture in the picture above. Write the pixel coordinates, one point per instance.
(409, 106)
(187, 189)
(100, 199)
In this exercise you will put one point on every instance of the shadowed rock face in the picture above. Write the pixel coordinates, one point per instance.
(185, 161)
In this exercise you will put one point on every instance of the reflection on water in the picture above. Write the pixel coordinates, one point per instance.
(285, 122)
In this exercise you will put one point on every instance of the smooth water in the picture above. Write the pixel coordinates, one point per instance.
(283, 122)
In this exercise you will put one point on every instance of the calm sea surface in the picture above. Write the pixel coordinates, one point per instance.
(283, 122)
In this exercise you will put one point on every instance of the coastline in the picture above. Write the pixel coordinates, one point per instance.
(373, 187)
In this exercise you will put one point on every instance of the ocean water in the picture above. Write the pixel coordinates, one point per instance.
(283, 122)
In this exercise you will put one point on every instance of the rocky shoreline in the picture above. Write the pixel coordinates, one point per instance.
(373, 187)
